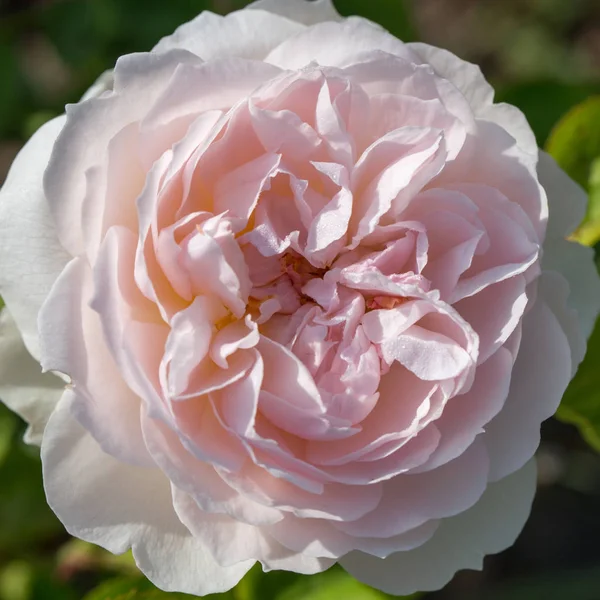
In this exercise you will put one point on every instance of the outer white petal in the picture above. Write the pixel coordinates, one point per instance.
(469, 79)
(466, 76)
(31, 257)
(300, 11)
(139, 79)
(514, 121)
(248, 34)
(104, 83)
(540, 376)
(461, 542)
(231, 541)
(567, 202)
(337, 44)
(576, 264)
(72, 342)
(23, 387)
(117, 506)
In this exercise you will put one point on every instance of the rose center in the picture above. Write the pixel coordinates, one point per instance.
(299, 271)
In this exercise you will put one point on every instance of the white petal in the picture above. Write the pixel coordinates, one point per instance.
(469, 79)
(554, 288)
(139, 79)
(231, 541)
(300, 11)
(576, 264)
(336, 44)
(540, 376)
(245, 34)
(23, 387)
(567, 202)
(298, 563)
(514, 121)
(117, 506)
(466, 76)
(31, 257)
(461, 542)
(104, 83)
(72, 342)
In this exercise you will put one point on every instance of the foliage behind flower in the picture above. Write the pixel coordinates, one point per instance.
(302, 285)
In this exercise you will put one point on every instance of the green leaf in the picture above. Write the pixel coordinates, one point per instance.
(334, 584)
(575, 140)
(8, 426)
(575, 144)
(135, 588)
(581, 402)
(588, 232)
(16, 581)
(257, 585)
(26, 517)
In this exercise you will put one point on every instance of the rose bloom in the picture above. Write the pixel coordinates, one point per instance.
(301, 294)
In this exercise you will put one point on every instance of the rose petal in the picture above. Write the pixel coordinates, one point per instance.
(103, 501)
(461, 542)
(247, 34)
(512, 437)
(31, 258)
(23, 387)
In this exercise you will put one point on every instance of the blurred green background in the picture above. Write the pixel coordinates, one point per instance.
(541, 55)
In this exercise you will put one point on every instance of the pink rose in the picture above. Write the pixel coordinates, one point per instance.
(300, 280)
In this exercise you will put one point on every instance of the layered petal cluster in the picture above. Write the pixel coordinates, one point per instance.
(299, 283)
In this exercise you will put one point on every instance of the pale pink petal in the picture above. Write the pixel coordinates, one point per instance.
(200, 479)
(129, 321)
(223, 83)
(203, 442)
(411, 500)
(335, 502)
(318, 538)
(237, 193)
(238, 335)
(495, 312)
(461, 542)
(466, 76)
(388, 462)
(336, 44)
(188, 343)
(90, 125)
(512, 437)
(228, 540)
(83, 356)
(390, 172)
(466, 416)
(390, 111)
(112, 189)
(104, 501)
(404, 400)
(491, 157)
